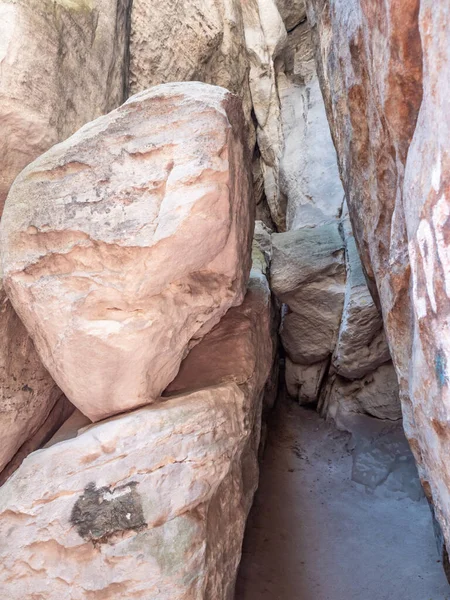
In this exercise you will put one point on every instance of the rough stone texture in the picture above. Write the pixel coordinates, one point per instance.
(376, 395)
(303, 382)
(60, 412)
(99, 251)
(292, 12)
(265, 35)
(62, 64)
(309, 176)
(229, 43)
(236, 349)
(27, 392)
(152, 503)
(308, 274)
(378, 66)
(361, 345)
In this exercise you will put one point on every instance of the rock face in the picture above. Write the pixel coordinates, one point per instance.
(152, 503)
(376, 72)
(330, 324)
(62, 64)
(361, 345)
(309, 176)
(99, 250)
(308, 274)
(27, 392)
(229, 43)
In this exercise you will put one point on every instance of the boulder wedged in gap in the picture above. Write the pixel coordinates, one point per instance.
(125, 244)
(308, 274)
(63, 64)
(152, 503)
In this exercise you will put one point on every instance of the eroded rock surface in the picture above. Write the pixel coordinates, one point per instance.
(154, 502)
(128, 242)
(62, 64)
(27, 392)
(385, 77)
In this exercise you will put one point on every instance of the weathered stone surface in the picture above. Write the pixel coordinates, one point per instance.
(62, 64)
(131, 505)
(237, 349)
(292, 12)
(152, 503)
(60, 412)
(27, 392)
(376, 395)
(191, 40)
(303, 381)
(361, 345)
(309, 176)
(379, 65)
(99, 250)
(308, 274)
(265, 35)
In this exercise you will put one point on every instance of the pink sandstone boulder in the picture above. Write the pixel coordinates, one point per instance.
(125, 244)
(153, 503)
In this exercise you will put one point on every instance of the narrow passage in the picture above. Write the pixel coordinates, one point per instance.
(315, 533)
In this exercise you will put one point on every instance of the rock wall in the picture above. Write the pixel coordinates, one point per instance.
(384, 73)
(62, 64)
(126, 251)
(331, 330)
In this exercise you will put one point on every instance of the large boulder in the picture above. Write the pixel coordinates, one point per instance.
(385, 73)
(152, 503)
(125, 244)
(62, 64)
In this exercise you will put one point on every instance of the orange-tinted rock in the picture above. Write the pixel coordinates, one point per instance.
(129, 241)
(380, 63)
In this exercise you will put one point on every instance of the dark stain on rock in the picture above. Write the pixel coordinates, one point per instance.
(101, 513)
(441, 369)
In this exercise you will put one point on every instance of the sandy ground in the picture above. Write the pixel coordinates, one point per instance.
(315, 533)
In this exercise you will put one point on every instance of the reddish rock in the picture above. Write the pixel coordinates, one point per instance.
(380, 63)
(128, 242)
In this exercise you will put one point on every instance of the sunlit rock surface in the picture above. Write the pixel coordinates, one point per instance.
(152, 503)
(128, 242)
